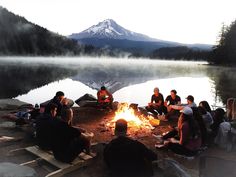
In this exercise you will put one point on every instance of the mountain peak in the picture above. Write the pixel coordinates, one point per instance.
(108, 21)
(109, 29)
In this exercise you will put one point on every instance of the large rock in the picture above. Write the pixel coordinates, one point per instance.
(87, 100)
(12, 104)
(14, 170)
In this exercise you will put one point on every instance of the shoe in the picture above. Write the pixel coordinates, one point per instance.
(159, 139)
(159, 146)
(157, 136)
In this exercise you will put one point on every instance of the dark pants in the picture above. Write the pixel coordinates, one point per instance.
(176, 147)
(171, 134)
(68, 154)
(157, 110)
(105, 105)
(172, 114)
(180, 149)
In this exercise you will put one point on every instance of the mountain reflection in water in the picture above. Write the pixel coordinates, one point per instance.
(37, 79)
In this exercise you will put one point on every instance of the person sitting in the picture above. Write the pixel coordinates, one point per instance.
(190, 103)
(44, 127)
(66, 142)
(126, 157)
(206, 106)
(66, 112)
(105, 98)
(218, 118)
(35, 112)
(189, 137)
(197, 115)
(206, 116)
(172, 99)
(56, 100)
(156, 106)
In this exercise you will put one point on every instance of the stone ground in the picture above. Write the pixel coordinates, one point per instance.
(94, 121)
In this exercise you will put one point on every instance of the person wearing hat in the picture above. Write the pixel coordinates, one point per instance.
(189, 136)
(126, 157)
(190, 103)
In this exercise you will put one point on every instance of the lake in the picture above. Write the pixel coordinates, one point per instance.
(36, 79)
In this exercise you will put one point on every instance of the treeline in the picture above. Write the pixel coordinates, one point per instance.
(21, 37)
(180, 53)
(225, 51)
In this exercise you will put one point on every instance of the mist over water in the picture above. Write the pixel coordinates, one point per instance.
(36, 79)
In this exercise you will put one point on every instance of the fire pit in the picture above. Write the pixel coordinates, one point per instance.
(138, 123)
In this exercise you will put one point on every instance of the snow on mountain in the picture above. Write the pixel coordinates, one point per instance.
(111, 30)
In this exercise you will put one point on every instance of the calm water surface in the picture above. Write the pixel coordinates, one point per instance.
(36, 79)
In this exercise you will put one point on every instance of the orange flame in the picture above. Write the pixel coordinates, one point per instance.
(135, 121)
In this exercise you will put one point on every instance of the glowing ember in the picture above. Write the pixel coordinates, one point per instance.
(135, 122)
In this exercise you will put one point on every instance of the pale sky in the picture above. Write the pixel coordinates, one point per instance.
(185, 21)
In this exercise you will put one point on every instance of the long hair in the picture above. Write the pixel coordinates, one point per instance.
(197, 115)
(205, 105)
(193, 126)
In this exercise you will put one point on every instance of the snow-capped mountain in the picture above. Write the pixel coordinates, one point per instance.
(109, 34)
(111, 30)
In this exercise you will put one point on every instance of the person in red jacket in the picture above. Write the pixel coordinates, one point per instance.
(105, 98)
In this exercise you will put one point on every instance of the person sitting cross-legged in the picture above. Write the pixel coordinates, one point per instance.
(105, 98)
(126, 157)
(189, 136)
(156, 106)
(172, 99)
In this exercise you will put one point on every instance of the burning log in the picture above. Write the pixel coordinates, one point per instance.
(137, 122)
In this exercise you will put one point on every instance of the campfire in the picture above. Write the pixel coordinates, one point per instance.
(137, 122)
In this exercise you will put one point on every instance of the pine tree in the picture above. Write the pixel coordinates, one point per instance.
(225, 50)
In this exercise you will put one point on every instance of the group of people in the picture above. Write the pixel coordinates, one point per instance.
(197, 125)
(123, 155)
(170, 107)
(54, 131)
